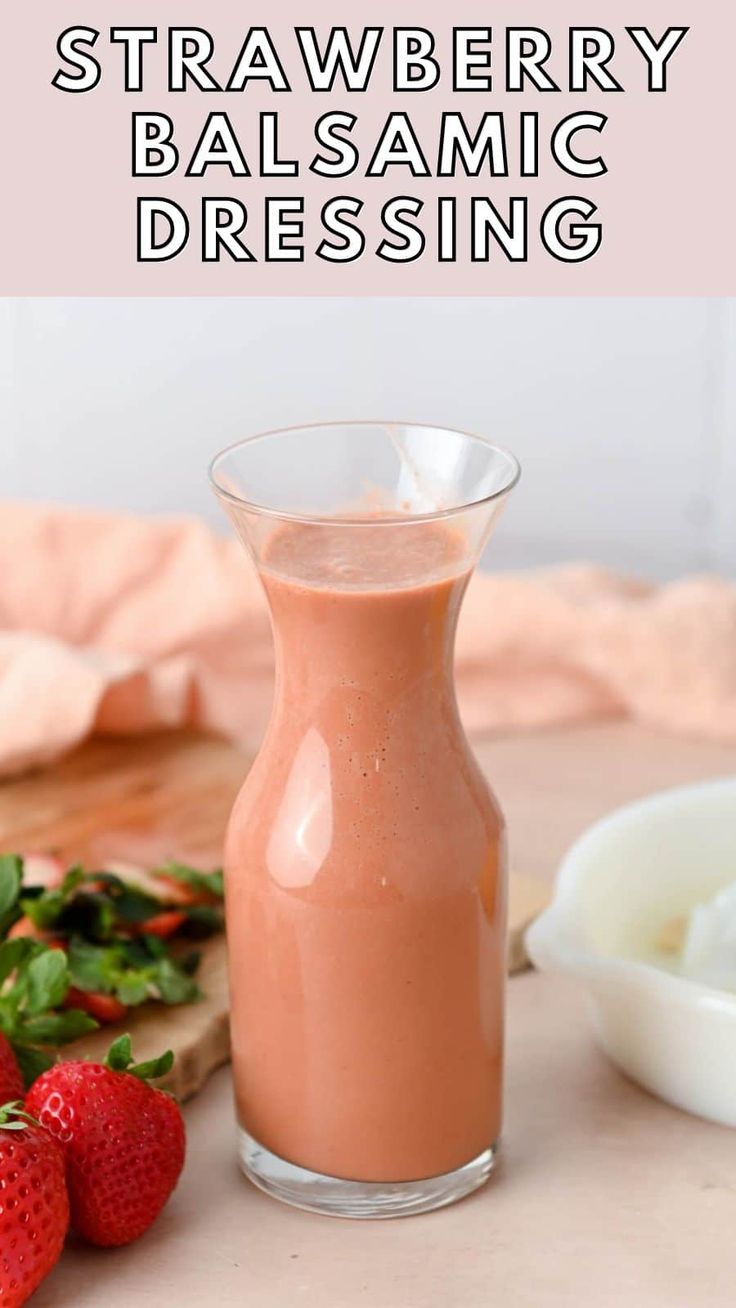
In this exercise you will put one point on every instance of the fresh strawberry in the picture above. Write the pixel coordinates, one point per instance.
(105, 1008)
(124, 1141)
(34, 1205)
(11, 1081)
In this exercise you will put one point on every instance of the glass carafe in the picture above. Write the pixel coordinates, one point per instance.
(365, 859)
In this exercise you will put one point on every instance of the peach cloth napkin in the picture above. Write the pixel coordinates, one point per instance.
(120, 624)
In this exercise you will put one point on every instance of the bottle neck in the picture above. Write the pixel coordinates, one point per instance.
(393, 646)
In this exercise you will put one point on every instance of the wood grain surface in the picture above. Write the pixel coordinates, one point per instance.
(140, 800)
(145, 800)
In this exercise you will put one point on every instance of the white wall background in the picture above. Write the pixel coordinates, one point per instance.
(623, 411)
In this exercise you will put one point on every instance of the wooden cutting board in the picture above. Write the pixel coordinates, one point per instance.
(145, 800)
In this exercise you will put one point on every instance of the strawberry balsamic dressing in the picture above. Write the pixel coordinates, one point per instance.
(365, 870)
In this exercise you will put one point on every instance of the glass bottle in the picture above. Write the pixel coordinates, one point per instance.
(365, 859)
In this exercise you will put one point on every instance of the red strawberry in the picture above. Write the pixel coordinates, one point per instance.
(177, 892)
(34, 1205)
(163, 924)
(124, 1141)
(11, 1081)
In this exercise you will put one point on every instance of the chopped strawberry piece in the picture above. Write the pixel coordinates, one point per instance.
(163, 925)
(105, 1008)
(25, 927)
(43, 870)
(180, 893)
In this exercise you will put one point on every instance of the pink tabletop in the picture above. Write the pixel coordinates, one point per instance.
(603, 1197)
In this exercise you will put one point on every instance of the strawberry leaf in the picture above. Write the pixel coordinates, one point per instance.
(120, 1054)
(154, 1068)
(46, 908)
(47, 981)
(112, 970)
(145, 949)
(11, 876)
(89, 913)
(202, 920)
(190, 962)
(130, 904)
(55, 1028)
(131, 971)
(13, 1117)
(120, 1059)
(14, 953)
(133, 990)
(32, 1062)
(173, 985)
(95, 968)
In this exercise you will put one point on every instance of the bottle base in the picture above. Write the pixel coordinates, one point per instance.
(335, 1197)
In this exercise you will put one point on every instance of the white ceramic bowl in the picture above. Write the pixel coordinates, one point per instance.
(622, 880)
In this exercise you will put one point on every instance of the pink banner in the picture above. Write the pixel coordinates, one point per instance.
(217, 149)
